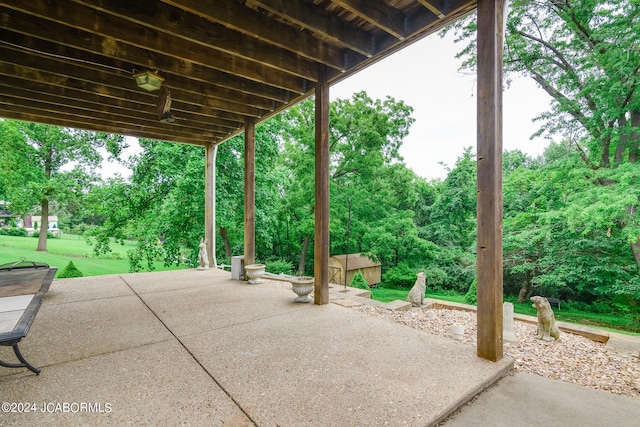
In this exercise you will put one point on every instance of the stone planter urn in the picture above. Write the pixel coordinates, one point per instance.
(302, 286)
(254, 272)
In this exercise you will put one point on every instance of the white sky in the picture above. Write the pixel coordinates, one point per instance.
(425, 76)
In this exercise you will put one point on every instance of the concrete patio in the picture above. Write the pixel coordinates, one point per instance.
(195, 347)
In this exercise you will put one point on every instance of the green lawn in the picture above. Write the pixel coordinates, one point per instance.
(610, 322)
(69, 248)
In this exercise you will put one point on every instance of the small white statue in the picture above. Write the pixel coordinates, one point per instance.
(203, 258)
(416, 295)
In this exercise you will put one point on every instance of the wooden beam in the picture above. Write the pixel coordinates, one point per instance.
(193, 29)
(32, 66)
(49, 98)
(51, 56)
(436, 9)
(489, 201)
(211, 151)
(29, 115)
(320, 20)
(250, 193)
(254, 24)
(321, 207)
(379, 14)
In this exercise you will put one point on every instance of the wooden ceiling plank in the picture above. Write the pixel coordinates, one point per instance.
(255, 24)
(236, 19)
(320, 20)
(38, 67)
(47, 50)
(379, 14)
(82, 45)
(148, 44)
(193, 29)
(86, 92)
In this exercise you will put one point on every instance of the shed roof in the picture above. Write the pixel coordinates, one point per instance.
(356, 261)
(225, 62)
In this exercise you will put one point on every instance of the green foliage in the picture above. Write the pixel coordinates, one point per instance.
(70, 271)
(471, 297)
(13, 231)
(401, 276)
(359, 282)
(36, 234)
(453, 213)
(371, 193)
(277, 266)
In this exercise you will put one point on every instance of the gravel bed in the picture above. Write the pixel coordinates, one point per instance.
(573, 358)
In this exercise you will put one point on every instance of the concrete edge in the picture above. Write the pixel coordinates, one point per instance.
(476, 391)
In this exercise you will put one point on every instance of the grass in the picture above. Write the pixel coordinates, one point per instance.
(70, 248)
(609, 322)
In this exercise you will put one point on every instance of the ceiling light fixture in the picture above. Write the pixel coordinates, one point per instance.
(148, 80)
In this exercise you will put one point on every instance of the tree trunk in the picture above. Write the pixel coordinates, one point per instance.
(606, 146)
(526, 290)
(44, 227)
(618, 157)
(225, 240)
(303, 255)
(634, 137)
(635, 247)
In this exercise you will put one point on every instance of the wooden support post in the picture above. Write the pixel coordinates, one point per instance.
(489, 188)
(210, 203)
(321, 208)
(249, 193)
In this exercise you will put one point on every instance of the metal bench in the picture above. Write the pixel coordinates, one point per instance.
(23, 285)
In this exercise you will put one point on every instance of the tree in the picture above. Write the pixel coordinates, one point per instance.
(162, 207)
(452, 220)
(567, 235)
(36, 159)
(586, 55)
(365, 136)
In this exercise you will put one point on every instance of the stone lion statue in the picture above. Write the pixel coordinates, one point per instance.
(547, 328)
(416, 295)
(203, 257)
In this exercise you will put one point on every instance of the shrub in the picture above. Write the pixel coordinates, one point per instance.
(401, 276)
(277, 266)
(471, 297)
(70, 271)
(359, 281)
(6, 231)
(36, 234)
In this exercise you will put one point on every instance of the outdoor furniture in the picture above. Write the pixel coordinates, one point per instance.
(22, 288)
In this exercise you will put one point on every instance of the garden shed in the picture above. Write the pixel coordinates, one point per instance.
(352, 263)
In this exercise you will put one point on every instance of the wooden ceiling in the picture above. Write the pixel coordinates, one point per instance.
(226, 62)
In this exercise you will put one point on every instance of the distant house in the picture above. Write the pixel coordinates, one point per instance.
(5, 217)
(351, 264)
(33, 222)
